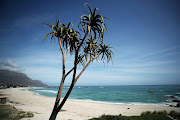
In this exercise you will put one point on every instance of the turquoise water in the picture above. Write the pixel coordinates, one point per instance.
(129, 94)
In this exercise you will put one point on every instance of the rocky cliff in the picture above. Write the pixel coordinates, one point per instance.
(10, 77)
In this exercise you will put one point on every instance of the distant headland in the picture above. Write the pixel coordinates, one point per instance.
(18, 79)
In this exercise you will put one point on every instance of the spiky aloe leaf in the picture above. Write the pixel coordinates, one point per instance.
(88, 6)
(44, 39)
(70, 23)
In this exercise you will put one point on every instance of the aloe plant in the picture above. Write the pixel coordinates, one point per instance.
(86, 46)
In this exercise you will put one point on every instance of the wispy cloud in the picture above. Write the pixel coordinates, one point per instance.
(148, 71)
(146, 64)
(155, 54)
(10, 65)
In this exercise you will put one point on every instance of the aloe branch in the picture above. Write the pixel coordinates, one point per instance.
(91, 60)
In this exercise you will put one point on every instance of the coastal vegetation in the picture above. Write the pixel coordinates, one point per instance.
(161, 115)
(4, 86)
(86, 45)
(8, 112)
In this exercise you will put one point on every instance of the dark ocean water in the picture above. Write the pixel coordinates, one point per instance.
(126, 94)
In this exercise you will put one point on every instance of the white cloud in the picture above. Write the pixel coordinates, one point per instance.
(155, 54)
(146, 64)
(148, 71)
(9, 65)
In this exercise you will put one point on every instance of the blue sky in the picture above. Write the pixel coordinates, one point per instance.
(145, 35)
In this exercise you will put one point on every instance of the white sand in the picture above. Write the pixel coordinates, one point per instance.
(42, 106)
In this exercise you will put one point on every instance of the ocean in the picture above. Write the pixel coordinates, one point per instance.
(125, 94)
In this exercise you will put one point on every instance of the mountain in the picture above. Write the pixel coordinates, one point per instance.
(10, 77)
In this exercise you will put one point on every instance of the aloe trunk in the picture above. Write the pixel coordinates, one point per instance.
(58, 97)
(54, 114)
(58, 107)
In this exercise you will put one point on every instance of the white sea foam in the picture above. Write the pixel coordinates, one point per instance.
(51, 91)
(82, 87)
(139, 103)
(171, 96)
(93, 101)
(177, 97)
(168, 95)
(119, 103)
(36, 93)
(171, 103)
(178, 93)
(169, 100)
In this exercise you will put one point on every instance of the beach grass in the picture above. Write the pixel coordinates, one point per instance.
(162, 115)
(8, 112)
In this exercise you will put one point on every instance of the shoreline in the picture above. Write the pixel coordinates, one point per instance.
(107, 102)
(118, 103)
(42, 106)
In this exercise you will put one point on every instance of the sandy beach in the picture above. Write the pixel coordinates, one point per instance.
(42, 106)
